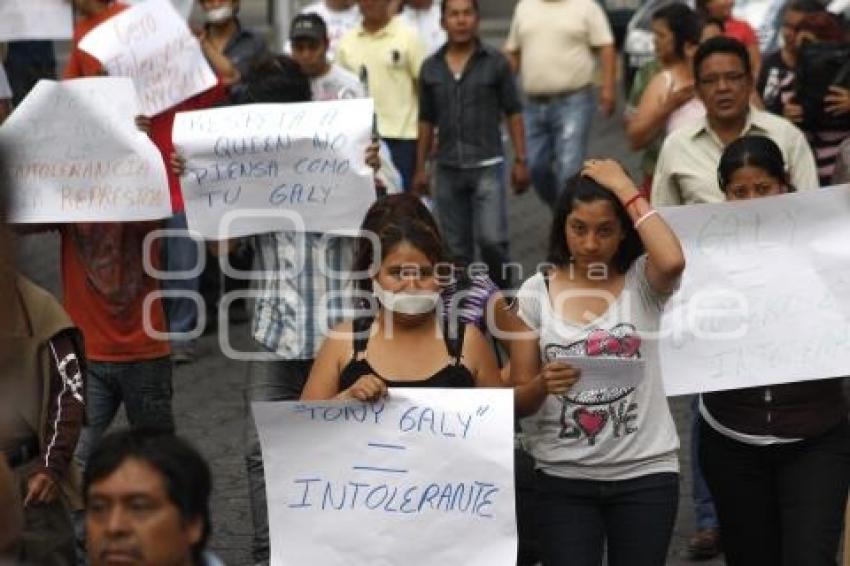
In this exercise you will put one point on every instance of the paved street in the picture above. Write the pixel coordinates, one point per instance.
(208, 394)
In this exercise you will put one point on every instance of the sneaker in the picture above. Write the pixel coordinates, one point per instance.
(182, 355)
(704, 545)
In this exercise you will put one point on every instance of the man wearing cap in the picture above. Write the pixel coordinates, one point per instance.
(310, 44)
(392, 54)
(554, 44)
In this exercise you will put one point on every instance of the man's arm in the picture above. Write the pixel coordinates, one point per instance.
(421, 179)
(608, 94)
(520, 177)
(222, 66)
(513, 60)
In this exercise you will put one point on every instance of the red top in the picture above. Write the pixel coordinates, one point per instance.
(161, 126)
(80, 63)
(740, 30)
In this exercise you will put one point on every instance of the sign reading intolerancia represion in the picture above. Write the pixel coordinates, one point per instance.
(268, 167)
(74, 154)
(423, 477)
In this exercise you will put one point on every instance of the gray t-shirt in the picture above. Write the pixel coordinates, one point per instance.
(608, 434)
(336, 84)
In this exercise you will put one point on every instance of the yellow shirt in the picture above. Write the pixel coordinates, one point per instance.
(555, 40)
(393, 57)
(686, 172)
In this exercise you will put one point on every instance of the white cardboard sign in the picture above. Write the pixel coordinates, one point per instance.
(151, 43)
(765, 297)
(424, 477)
(268, 167)
(74, 154)
(35, 19)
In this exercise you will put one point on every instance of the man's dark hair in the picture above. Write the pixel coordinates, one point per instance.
(444, 3)
(805, 6)
(722, 44)
(584, 189)
(186, 475)
(273, 79)
(684, 24)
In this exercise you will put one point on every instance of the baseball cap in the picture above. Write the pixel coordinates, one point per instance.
(308, 26)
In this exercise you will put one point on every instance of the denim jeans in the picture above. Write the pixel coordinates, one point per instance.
(145, 389)
(180, 253)
(779, 505)
(633, 518)
(472, 208)
(403, 154)
(706, 515)
(557, 132)
(267, 381)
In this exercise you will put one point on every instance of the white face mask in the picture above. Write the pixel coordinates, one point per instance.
(406, 303)
(218, 15)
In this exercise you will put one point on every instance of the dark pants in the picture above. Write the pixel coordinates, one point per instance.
(47, 538)
(780, 505)
(267, 381)
(528, 552)
(403, 154)
(633, 518)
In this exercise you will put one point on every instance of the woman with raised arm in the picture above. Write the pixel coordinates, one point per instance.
(607, 468)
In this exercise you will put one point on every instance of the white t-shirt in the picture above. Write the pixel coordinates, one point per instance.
(339, 22)
(427, 23)
(608, 434)
(336, 84)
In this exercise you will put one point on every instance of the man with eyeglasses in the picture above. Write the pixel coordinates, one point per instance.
(687, 165)
(777, 72)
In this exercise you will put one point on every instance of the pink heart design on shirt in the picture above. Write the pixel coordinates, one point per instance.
(591, 422)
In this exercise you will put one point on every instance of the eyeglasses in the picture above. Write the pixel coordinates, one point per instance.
(731, 79)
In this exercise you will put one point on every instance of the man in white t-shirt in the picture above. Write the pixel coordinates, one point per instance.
(424, 16)
(340, 16)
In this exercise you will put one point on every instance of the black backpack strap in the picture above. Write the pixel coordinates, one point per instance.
(453, 333)
(360, 328)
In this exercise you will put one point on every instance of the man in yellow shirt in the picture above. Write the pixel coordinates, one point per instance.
(392, 54)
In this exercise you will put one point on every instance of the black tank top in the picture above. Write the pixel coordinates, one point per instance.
(455, 374)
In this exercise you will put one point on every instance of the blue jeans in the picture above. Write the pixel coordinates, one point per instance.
(557, 132)
(267, 381)
(706, 515)
(143, 386)
(180, 253)
(634, 518)
(472, 208)
(403, 154)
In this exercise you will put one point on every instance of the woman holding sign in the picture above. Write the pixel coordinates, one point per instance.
(603, 438)
(405, 343)
(777, 458)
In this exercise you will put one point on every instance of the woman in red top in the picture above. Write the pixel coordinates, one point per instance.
(732, 27)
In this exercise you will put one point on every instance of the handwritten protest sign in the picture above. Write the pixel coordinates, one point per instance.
(74, 154)
(151, 44)
(35, 19)
(424, 477)
(765, 297)
(183, 7)
(256, 163)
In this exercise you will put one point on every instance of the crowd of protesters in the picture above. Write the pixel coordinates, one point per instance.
(717, 120)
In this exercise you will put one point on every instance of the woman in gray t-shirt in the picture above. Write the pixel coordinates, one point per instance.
(606, 457)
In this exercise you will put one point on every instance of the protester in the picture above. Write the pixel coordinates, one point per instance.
(606, 458)
(341, 17)
(689, 156)
(225, 34)
(776, 78)
(777, 458)
(553, 44)
(823, 132)
(668, 99)
(147, 500)
(465, 89)
(401, 342)
(391, 54)
(426, 17)
(733, 27)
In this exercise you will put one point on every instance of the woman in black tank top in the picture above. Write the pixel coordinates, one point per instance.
(405, 343)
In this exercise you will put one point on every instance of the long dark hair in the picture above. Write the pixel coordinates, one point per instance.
(684, 24)
(585, 189)
(393, 220)
(752, 151)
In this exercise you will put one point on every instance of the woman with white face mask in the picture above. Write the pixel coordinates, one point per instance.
(406, 342)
